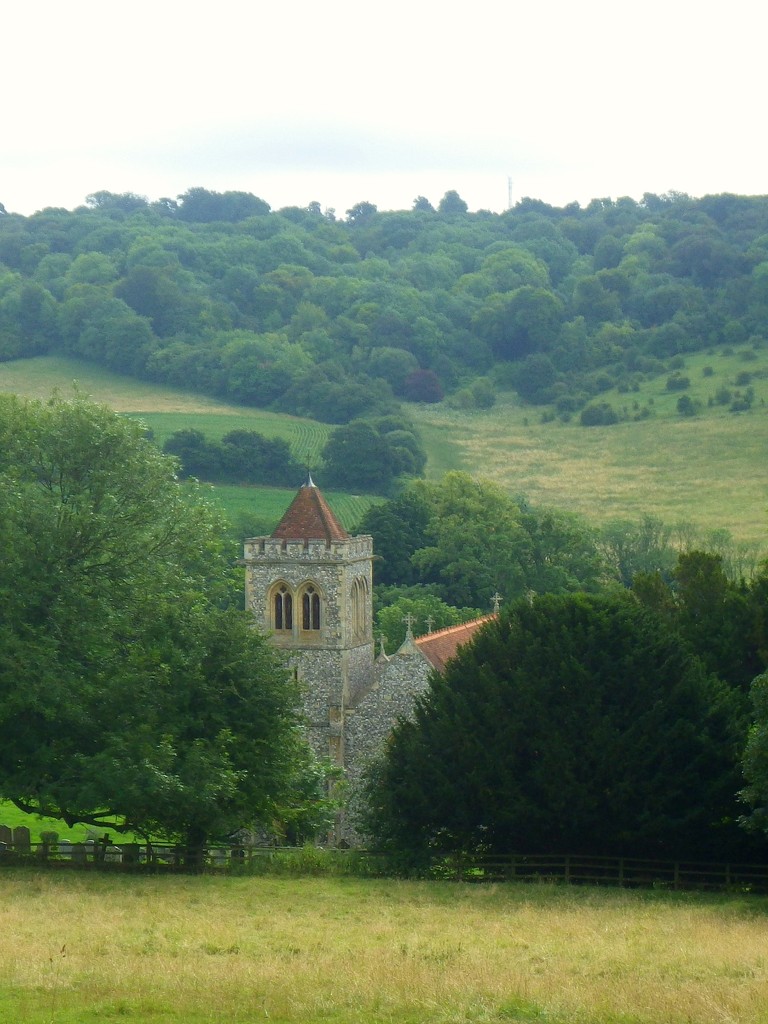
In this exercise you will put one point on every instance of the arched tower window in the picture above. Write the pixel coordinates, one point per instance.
(358, 603)
(310, 608)
(282, 609)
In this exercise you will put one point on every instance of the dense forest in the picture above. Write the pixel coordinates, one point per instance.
(337, 318)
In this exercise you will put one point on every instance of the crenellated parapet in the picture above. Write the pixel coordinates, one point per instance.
(273, 550)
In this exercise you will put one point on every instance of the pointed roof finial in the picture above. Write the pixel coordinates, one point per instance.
(497, 599)
(409, 621)
(430, 623)
(310, 482)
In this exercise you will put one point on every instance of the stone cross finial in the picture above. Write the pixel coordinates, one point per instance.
(409, 621)
(430, 622)
(496, 602)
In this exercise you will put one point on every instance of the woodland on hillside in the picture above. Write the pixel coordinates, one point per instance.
(336, 318)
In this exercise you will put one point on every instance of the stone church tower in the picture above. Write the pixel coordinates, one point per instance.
(309, 585)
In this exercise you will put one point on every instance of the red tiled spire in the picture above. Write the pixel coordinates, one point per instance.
(309, 517)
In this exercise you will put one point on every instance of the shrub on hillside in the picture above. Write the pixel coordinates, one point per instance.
(686, 406)
(422, 386)
(600, 414)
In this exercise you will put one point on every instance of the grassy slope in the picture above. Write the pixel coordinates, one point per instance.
(77, 949)
(166, 410)
(709, 470)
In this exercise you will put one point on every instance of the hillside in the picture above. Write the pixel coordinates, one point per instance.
(165, 410)
(707, 470)
(301, 312)
(611, 359)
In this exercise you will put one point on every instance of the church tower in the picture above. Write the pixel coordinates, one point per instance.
(309, 586)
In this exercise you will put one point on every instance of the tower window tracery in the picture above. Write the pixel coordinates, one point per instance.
(310, 608)
(358, 603)
(282, 610)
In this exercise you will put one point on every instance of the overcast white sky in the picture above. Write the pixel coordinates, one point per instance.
(341, 101)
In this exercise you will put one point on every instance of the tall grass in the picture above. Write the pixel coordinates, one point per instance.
(707, 470)
(77, 948)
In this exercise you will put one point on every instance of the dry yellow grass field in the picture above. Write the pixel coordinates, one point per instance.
(82, 948)
(709, 472)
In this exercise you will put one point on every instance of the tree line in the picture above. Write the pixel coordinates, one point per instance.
(369, 456)
(337, 318)
(458, 541)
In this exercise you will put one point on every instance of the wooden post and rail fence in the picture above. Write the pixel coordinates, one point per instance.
(109, 853)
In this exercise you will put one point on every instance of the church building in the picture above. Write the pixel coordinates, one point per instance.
(309, 587)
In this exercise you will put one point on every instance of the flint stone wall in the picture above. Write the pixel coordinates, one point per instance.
(398, 681)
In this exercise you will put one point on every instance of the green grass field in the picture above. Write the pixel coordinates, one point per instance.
(708, 470)
(165, 410)
(11, 816)
(260, 508)
(82, 948)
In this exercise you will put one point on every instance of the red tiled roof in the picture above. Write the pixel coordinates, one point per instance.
(438, 648)
(309, 517)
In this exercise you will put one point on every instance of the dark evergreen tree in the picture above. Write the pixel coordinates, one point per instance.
(722, 619)
(570, 724)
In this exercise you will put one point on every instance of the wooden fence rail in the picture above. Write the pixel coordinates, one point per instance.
(16, 848)
(621, 871)
(98, 854)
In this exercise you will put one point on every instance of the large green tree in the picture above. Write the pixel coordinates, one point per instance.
(358, 458)
(570, 724)
(130, 691)
(724, 620)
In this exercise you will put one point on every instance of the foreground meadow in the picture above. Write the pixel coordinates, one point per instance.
(85, 948)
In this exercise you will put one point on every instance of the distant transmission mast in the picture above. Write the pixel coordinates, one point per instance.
(509, 193)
